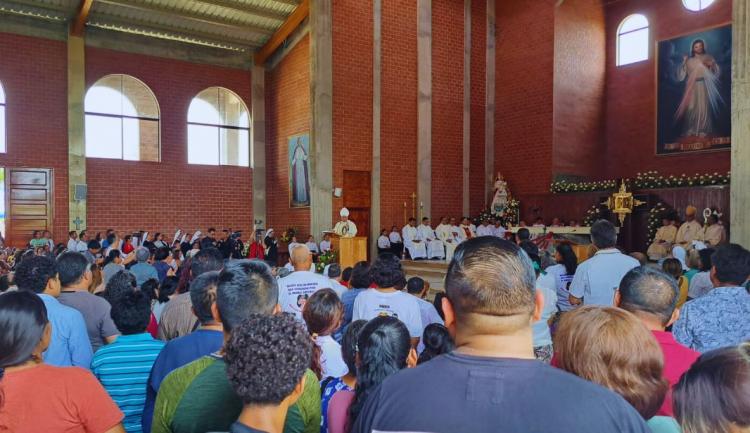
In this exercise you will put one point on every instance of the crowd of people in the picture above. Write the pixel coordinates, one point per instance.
(99, 337)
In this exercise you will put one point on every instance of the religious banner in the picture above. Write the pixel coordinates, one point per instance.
(694, 89)
(299, 170)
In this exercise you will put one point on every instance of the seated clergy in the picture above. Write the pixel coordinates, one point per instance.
(434, 245)
(664, 238)
(467, 232)
(456, 231)
(412, 242)
(690, 230)
(445, 233)
(345, 228)
(714, 233)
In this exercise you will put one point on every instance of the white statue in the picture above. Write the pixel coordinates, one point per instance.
(500, 200)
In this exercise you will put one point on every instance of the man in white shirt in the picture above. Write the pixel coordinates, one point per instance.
(397, 244)
(412, 242)
(484, 229)
(597, 279)
(311, 245)
(297, 287)
(434, 245)
(325, 244)
(498, 230)
(83, 242)
(72, 241)
(444, 232)
(333, 272)
(386, 300)
(384, 243)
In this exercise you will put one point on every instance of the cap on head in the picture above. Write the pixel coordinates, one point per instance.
(344, 212)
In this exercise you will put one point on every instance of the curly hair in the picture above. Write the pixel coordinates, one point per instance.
(34, 273)
(267, 356)
(323, 313)
(386, 271)
(121, 283)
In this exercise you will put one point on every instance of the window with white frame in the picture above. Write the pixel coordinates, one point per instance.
(218, 129)
(697, 5)
(122, 120)
(632, 40)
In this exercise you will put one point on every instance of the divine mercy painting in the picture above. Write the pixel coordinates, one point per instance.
(694, 90)
(299, 170)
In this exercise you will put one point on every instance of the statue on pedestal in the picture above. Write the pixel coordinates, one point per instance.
(500, 200)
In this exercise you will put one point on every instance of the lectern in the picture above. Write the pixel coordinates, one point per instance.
(350, 250)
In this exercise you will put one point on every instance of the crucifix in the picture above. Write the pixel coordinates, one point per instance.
(78, 223)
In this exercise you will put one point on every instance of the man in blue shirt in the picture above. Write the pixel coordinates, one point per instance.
(70, 345)
(207, 339)
(142, 270)
(719, 318)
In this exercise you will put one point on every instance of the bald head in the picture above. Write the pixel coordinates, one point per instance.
(301, 258)
(647, 290)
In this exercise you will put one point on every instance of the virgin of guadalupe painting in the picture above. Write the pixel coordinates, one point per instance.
(299, 170)
(694, 92)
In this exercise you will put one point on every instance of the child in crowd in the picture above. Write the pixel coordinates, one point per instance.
(323, 313)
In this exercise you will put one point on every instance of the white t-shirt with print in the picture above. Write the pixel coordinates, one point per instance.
(297, 287)
(373, 303)
(331, 361)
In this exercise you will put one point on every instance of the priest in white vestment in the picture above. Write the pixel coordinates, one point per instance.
(714, 233)
(444, 232)
(456, 230)
(690, 230)
(467, 232)
(412, 242)
(434, 245)
(345, 228)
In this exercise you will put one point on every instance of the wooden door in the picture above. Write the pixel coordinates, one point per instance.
(28, 203)
(357, 197)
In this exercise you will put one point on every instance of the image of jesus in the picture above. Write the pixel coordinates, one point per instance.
(701, 99)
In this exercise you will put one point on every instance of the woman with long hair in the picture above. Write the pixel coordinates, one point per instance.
(332, 385)
(112, 264)
(437, 341)
(322, 313)
(613, 348)
(562, 272)
(70, 400)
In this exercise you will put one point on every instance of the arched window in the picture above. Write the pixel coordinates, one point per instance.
(218, 129)
(122, 120)
(2, 120)
(632, 40)
(697, 5)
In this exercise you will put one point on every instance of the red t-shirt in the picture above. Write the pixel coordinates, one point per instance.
(55, 399)
(677, 360)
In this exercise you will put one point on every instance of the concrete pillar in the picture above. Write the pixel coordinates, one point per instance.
(76, 132)
(466, 191)
(739, 192)
(258, 146)
(377, 19)
(424, 105)
(489, 111)
(321, 143)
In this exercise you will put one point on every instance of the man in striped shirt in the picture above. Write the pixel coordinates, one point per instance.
(123, 367)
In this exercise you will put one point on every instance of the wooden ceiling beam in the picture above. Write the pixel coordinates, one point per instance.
(79, 22)
(286, 29)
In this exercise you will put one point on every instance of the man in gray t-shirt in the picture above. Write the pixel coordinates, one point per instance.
(75, 277)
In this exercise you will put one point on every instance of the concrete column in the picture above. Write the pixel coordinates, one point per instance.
(424, 105)
(467, 110)
(377, 16)
(321, 87)
(739, 192)
(76, 132)
(258, 146)
(489, 111)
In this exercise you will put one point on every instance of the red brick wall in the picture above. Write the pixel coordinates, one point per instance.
(631, 91)
(34, 74)
(399, 110)
(352, 93)
(287, 114)
(170, 194)
(478, 96)
(579, 83)
(523, 94)
(447, 108)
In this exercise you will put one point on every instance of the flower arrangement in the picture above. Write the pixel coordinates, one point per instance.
(288, 235)
(652, 179)
(325, 259)
(510, 216)
(654, 221)
(592, 215)
(646, 180)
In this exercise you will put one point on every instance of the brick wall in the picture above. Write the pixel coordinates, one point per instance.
(33, 73)
(579, 83)
(523, 94)
(169, 194)
(631, 91)
(477, 197)
(287, 114)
